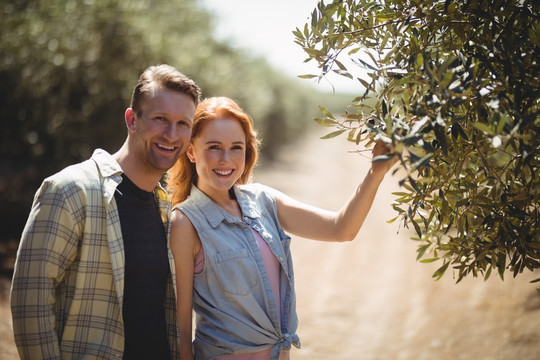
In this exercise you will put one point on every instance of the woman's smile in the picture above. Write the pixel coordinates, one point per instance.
(224, 172)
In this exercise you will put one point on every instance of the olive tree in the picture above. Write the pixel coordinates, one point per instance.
(454, 86)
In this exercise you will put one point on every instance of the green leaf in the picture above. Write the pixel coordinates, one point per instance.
(441, 137)
(326, 122)
(414, 185)
(440, 271)
(400, 193)
(306, 31)
(392, 220)
(483, 127)
(457, 131)
(421, 251)
(326, 112)
(412, 139)
(419, 61)
(423, 162)
(308, 76)
(298, 34)
(364, 83)
(351, 136)
(366, 65)
(333, 134)
(417, 229)
(501, 121)
(340, 65)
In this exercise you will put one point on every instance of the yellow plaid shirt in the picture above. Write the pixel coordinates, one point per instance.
(68, 283)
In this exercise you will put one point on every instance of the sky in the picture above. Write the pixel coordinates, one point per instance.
(265, 27)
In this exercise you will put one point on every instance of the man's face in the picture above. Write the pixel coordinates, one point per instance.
(162, 130)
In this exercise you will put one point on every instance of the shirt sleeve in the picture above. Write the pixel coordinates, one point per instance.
(48, 246)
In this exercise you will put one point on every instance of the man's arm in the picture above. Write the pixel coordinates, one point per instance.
(48, 245)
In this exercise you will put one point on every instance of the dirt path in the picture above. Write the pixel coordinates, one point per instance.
(369, 299)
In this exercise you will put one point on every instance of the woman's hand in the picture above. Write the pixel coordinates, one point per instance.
(380, 166)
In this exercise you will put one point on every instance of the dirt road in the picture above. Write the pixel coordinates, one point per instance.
(370, 299)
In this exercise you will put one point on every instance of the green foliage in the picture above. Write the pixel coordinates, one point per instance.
(454, 86)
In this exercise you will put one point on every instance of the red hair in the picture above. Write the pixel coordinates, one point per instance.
(183, 174)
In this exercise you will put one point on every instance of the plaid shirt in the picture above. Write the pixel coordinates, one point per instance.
(68, 284)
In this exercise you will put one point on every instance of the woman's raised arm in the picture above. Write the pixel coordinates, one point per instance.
(318, 224)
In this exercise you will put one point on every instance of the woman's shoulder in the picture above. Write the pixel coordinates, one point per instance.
(182, 221)
(178, 216)
(183, 233)
(256, 189)
(258, 192)
(197, 209)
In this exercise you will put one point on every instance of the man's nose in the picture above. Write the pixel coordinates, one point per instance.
(171, 132)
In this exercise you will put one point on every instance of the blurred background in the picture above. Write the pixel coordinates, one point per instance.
(68, 67)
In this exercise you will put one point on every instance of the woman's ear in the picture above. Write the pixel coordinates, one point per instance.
(190, 154)
(130, 119)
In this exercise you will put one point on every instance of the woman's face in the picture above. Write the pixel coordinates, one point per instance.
(219, 153)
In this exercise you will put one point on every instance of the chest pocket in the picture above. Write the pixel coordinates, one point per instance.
(237, 270)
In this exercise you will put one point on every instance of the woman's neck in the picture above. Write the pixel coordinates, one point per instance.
(232, 208)
(227, 201)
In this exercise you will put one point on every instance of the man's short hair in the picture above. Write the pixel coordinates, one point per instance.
(164, 76)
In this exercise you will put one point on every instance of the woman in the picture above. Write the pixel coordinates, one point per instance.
(232, 255)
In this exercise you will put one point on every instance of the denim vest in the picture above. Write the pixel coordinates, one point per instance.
(235, 307)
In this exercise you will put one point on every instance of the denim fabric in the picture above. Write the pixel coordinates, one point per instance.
(235, 308)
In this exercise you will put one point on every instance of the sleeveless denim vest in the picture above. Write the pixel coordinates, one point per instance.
(236, 311)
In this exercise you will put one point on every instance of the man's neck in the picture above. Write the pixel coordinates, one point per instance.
(135, 171)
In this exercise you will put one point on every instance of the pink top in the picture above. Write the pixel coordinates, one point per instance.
(273, 269)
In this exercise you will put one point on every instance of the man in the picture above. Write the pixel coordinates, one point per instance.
(93, 277)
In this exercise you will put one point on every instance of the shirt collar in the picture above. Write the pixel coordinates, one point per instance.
(106, 163)
(109, 168)
(215, 214)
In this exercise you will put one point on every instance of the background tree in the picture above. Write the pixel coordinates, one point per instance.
(67, 70)
(455, 87)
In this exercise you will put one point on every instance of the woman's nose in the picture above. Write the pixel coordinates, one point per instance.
(225, 156)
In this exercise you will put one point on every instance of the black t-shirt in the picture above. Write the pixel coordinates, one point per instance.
(146, 273)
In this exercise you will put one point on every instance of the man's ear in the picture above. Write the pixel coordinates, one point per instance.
(189, 153)
(130, 119)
